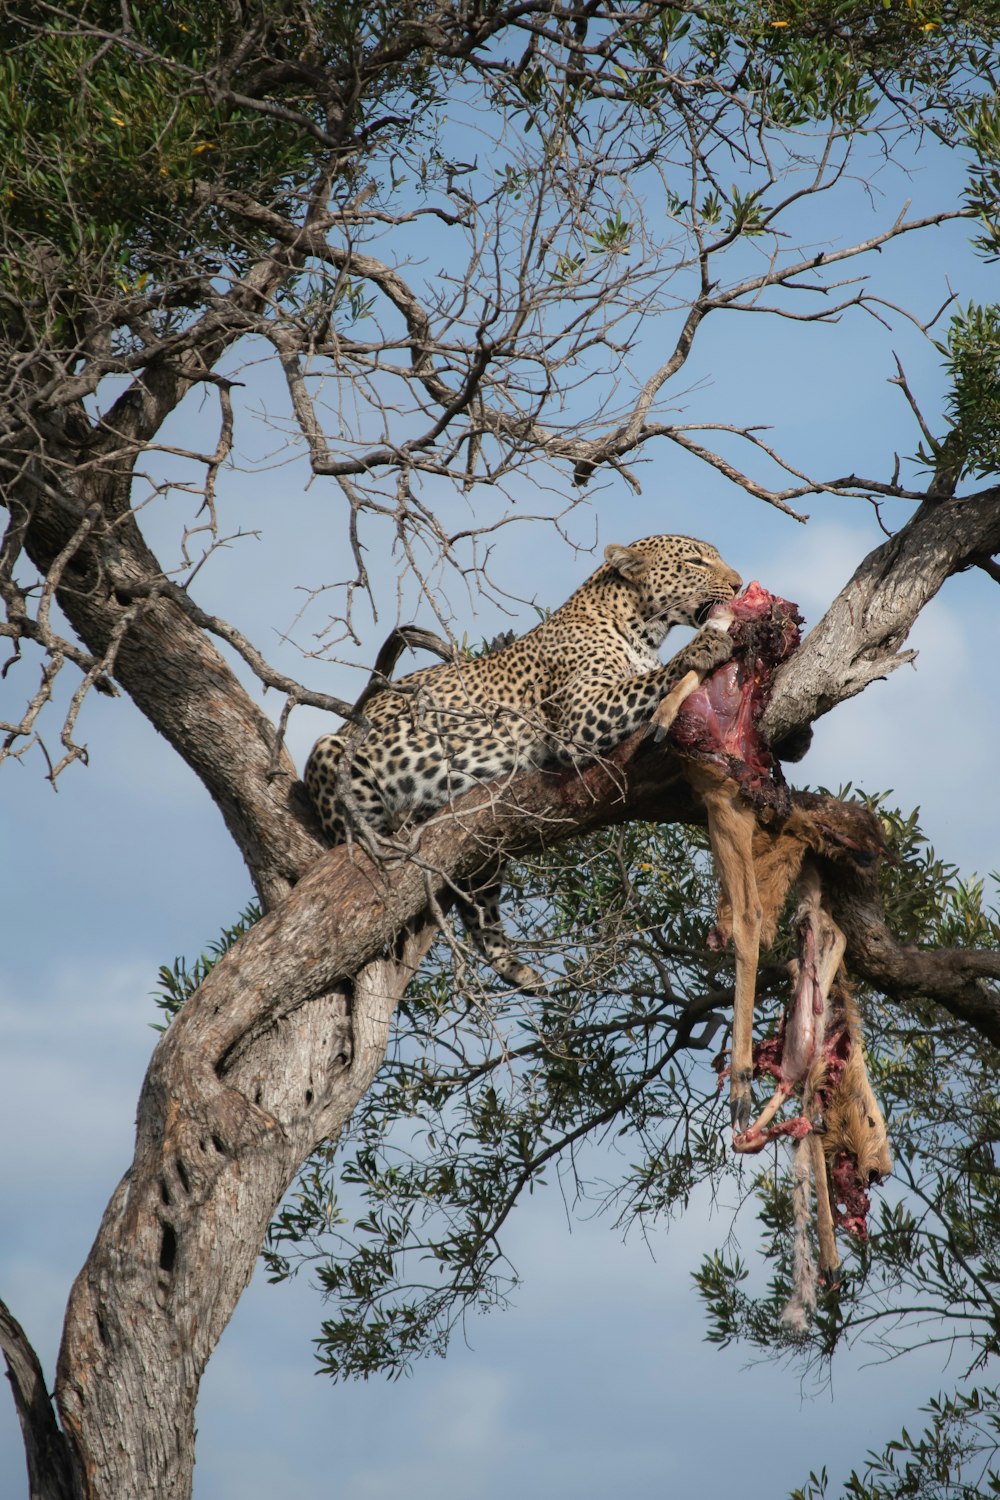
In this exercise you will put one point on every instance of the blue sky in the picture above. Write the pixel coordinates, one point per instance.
(598, 1379)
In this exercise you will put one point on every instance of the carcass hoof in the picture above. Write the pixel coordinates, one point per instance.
(747, 1142)
(739, 1100)
(669, 707)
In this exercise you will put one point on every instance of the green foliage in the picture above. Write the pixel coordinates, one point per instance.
(807, 61)
(972, 359)
(785, 68)
(105, 142)
(954, 1458)
(611, 237)
(138, 141)
(982, 128)
(125, 130)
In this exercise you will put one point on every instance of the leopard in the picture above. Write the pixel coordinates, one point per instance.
(563, 695)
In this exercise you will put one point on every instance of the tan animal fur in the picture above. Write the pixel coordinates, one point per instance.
(840, 1122)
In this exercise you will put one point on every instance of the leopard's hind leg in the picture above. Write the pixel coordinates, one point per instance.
(477, 901)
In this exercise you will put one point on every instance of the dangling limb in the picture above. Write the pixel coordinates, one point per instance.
(829, 1260)
(820, 935)
(854, 1122)
(669, 707)
(821, 948)
(731, 824)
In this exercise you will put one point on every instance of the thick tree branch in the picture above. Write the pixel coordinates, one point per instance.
(965, 981)
(859, 639)
(49, 1470)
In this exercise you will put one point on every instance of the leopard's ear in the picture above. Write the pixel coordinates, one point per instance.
(628, 561)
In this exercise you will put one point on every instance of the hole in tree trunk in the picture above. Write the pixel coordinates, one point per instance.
(168, 1249)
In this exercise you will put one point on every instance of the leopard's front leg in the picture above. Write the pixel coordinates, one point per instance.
(596, 711)
(708, 649)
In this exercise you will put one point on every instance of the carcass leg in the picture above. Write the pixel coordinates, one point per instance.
(810, 1170)
(821, 948)
(669, 706)
(829, 1260)
(731, 823)
(821, 941)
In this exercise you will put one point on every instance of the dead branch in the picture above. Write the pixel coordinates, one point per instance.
(46, 1450)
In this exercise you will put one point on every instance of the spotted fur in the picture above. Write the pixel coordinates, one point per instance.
(570, 690)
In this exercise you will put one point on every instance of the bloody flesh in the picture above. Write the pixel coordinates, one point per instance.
(850, 1201)
(720, 721)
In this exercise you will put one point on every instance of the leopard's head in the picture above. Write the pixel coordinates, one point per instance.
(675, 580)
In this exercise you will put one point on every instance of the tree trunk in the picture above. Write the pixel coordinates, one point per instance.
(216, 1149)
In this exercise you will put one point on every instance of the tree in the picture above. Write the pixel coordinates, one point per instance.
(188, 191)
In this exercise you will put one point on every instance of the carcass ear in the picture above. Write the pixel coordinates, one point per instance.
(627, 561)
